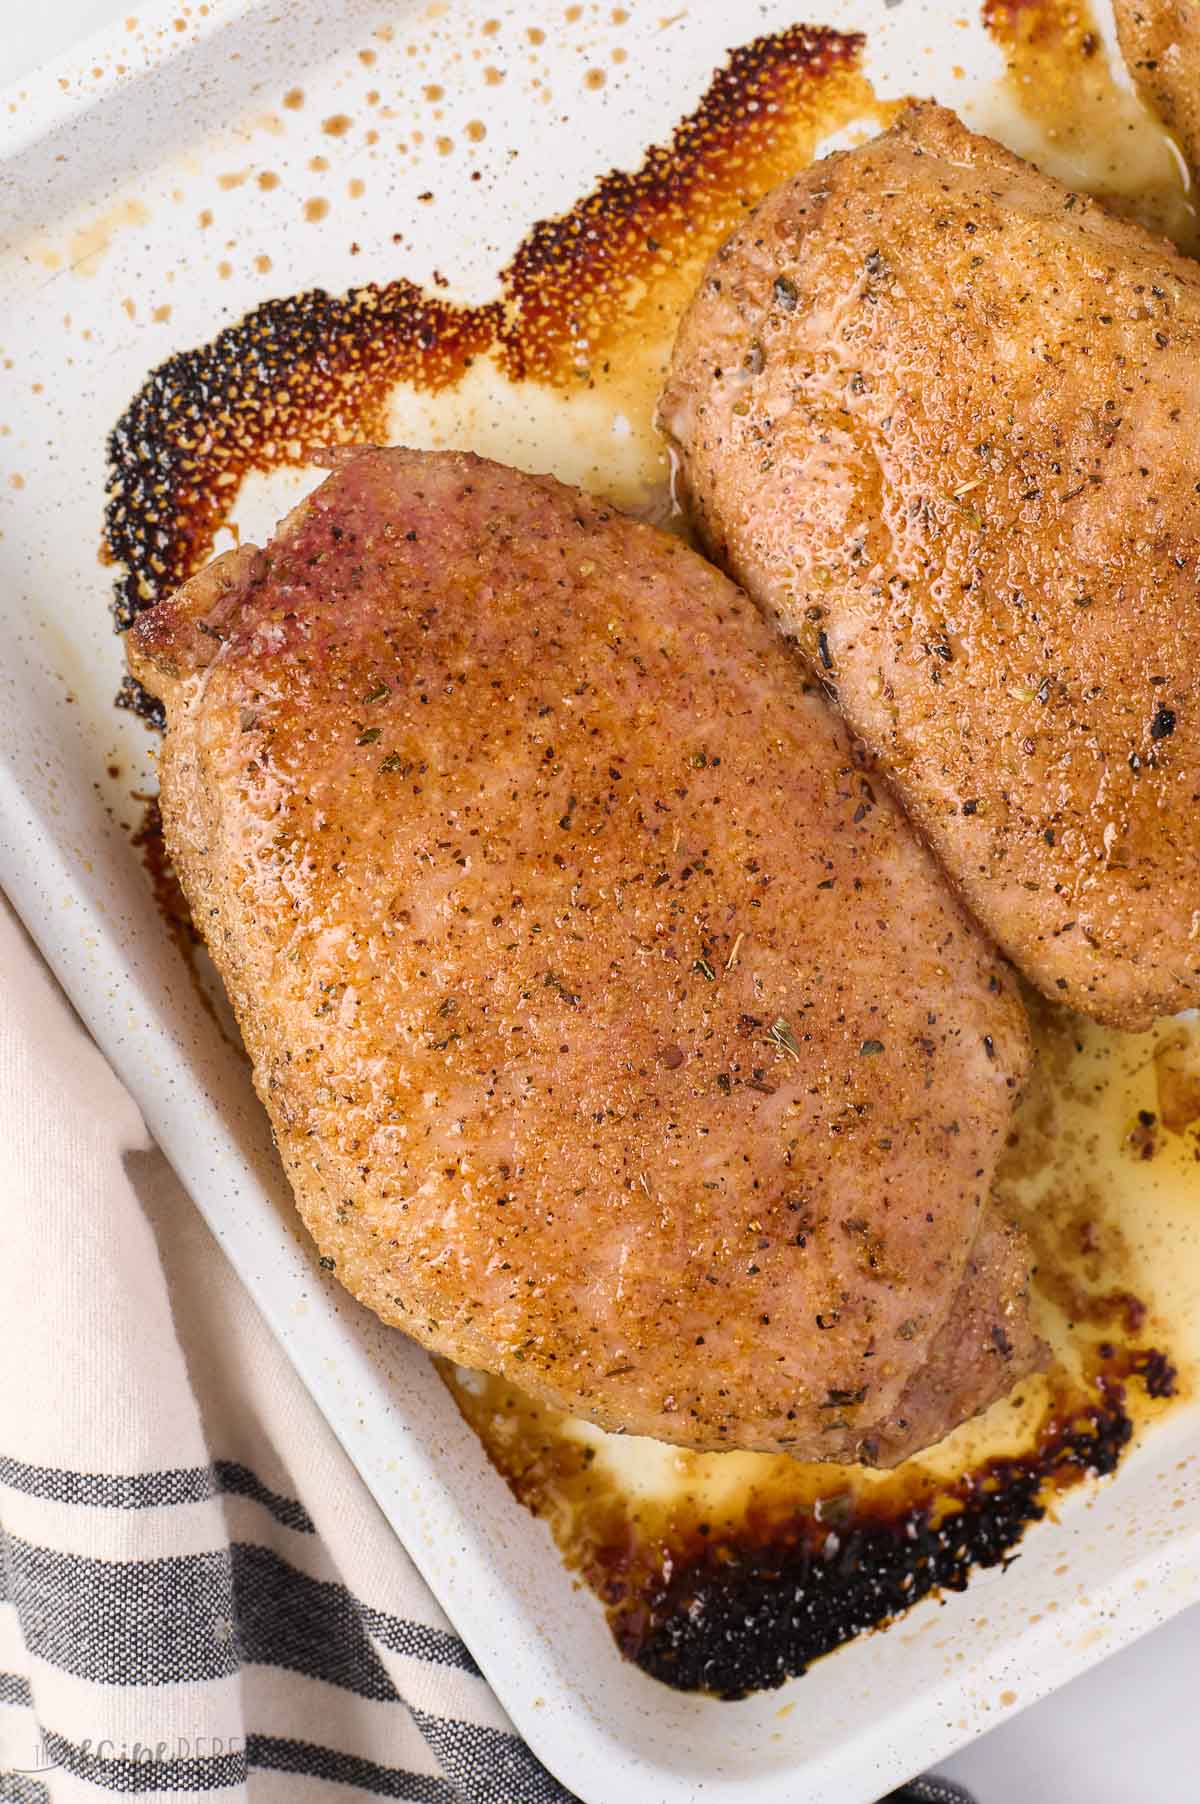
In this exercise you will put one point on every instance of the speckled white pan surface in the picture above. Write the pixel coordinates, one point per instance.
(119, 243)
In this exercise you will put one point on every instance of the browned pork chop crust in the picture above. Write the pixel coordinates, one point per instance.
(940, 417)
(617, 1033)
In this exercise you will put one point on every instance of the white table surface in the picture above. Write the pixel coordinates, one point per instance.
(1126, 1732)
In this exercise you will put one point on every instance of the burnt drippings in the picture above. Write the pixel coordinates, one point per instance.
(269, 393)
(739, 1616)
(172, 903)
(315, 370)
(634, 246)
(751, 1598)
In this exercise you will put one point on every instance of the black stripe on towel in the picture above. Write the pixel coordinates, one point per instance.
(125, 1622)
(152, 1490)
(278, 1755)
(239, 1481)
(417, 1639)
(132, 1771)
(487, 1765)
(15, 1690)
(110, 1490)
(196, 1617)
(308, 1625)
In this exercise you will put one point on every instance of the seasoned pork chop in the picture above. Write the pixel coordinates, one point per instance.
(1160, 40)
(940, 417)
(617, 1033)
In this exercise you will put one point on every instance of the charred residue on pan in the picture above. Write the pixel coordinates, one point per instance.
(172, 903)
(294, 376)
(614, 273)
(741, 1607)
(733, 1590)
(590, 298)
(716, 1624)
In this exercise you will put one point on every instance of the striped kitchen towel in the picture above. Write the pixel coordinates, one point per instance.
(199, 1595)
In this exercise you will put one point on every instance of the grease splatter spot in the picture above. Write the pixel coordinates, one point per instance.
(89, 244)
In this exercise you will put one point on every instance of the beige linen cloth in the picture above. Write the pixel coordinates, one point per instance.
(199, 1595)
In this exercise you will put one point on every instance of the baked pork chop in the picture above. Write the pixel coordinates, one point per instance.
(617, 1033)
(1160, 40)
(939, 416)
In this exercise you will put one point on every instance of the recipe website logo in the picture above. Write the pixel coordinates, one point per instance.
(48, 1753)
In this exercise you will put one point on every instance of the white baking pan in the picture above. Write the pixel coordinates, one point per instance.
(111, 162)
